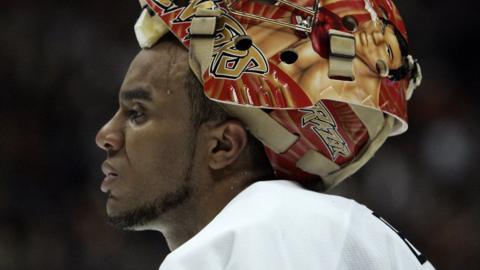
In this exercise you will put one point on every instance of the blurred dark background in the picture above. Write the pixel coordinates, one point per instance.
(61, 64)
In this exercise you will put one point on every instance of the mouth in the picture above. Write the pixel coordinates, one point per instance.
(110, 196)
(110, 176)
(107, 181)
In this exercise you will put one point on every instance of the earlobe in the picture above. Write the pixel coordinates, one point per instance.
(229, 140)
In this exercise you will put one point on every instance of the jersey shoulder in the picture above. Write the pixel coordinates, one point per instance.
(280, 225)
(280, 202)
(270, 225)
(373, 243)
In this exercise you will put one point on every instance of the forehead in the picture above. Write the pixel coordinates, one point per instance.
(159, 70)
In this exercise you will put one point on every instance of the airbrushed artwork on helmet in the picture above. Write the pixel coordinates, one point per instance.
(258, 76)
(228, 61)
(335, 74)
(378, 50)
(320, 121)
(330, 128)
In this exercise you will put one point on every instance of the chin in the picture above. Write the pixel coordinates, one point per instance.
(112, 208)
(135, 219)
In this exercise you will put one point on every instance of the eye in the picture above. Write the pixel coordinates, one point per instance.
(136, 115)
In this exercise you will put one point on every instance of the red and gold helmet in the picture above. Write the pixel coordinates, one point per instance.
(321, 83)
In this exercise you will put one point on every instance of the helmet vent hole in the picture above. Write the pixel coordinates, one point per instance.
(242, 42)
(181, 3)
(288, 56)
(350, 23)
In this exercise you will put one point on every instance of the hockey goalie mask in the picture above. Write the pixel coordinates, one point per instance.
(322, 83)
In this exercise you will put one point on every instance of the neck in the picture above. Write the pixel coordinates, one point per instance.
(185, 221)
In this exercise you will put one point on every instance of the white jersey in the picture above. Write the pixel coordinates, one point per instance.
(279, 225)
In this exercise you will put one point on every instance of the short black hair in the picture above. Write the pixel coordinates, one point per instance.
(203, 110)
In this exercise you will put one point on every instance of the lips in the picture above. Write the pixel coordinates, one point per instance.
(110, 176)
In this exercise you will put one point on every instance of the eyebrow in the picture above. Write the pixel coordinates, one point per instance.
(138, 93)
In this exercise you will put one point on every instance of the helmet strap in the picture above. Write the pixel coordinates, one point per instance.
(261, 125)
(342, 53)
(202, 36)
(336, 177)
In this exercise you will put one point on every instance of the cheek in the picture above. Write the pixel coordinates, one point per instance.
(157, 157)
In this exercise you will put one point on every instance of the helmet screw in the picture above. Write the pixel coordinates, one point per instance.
(302, 22)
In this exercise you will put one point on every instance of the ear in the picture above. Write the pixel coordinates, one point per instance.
(227, 141)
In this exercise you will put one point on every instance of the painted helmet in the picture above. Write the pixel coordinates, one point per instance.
(321, 83)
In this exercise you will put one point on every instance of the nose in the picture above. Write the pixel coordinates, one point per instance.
(110, 137)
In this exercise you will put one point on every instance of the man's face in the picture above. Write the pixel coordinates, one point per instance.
(375, 42)
(149, 140)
